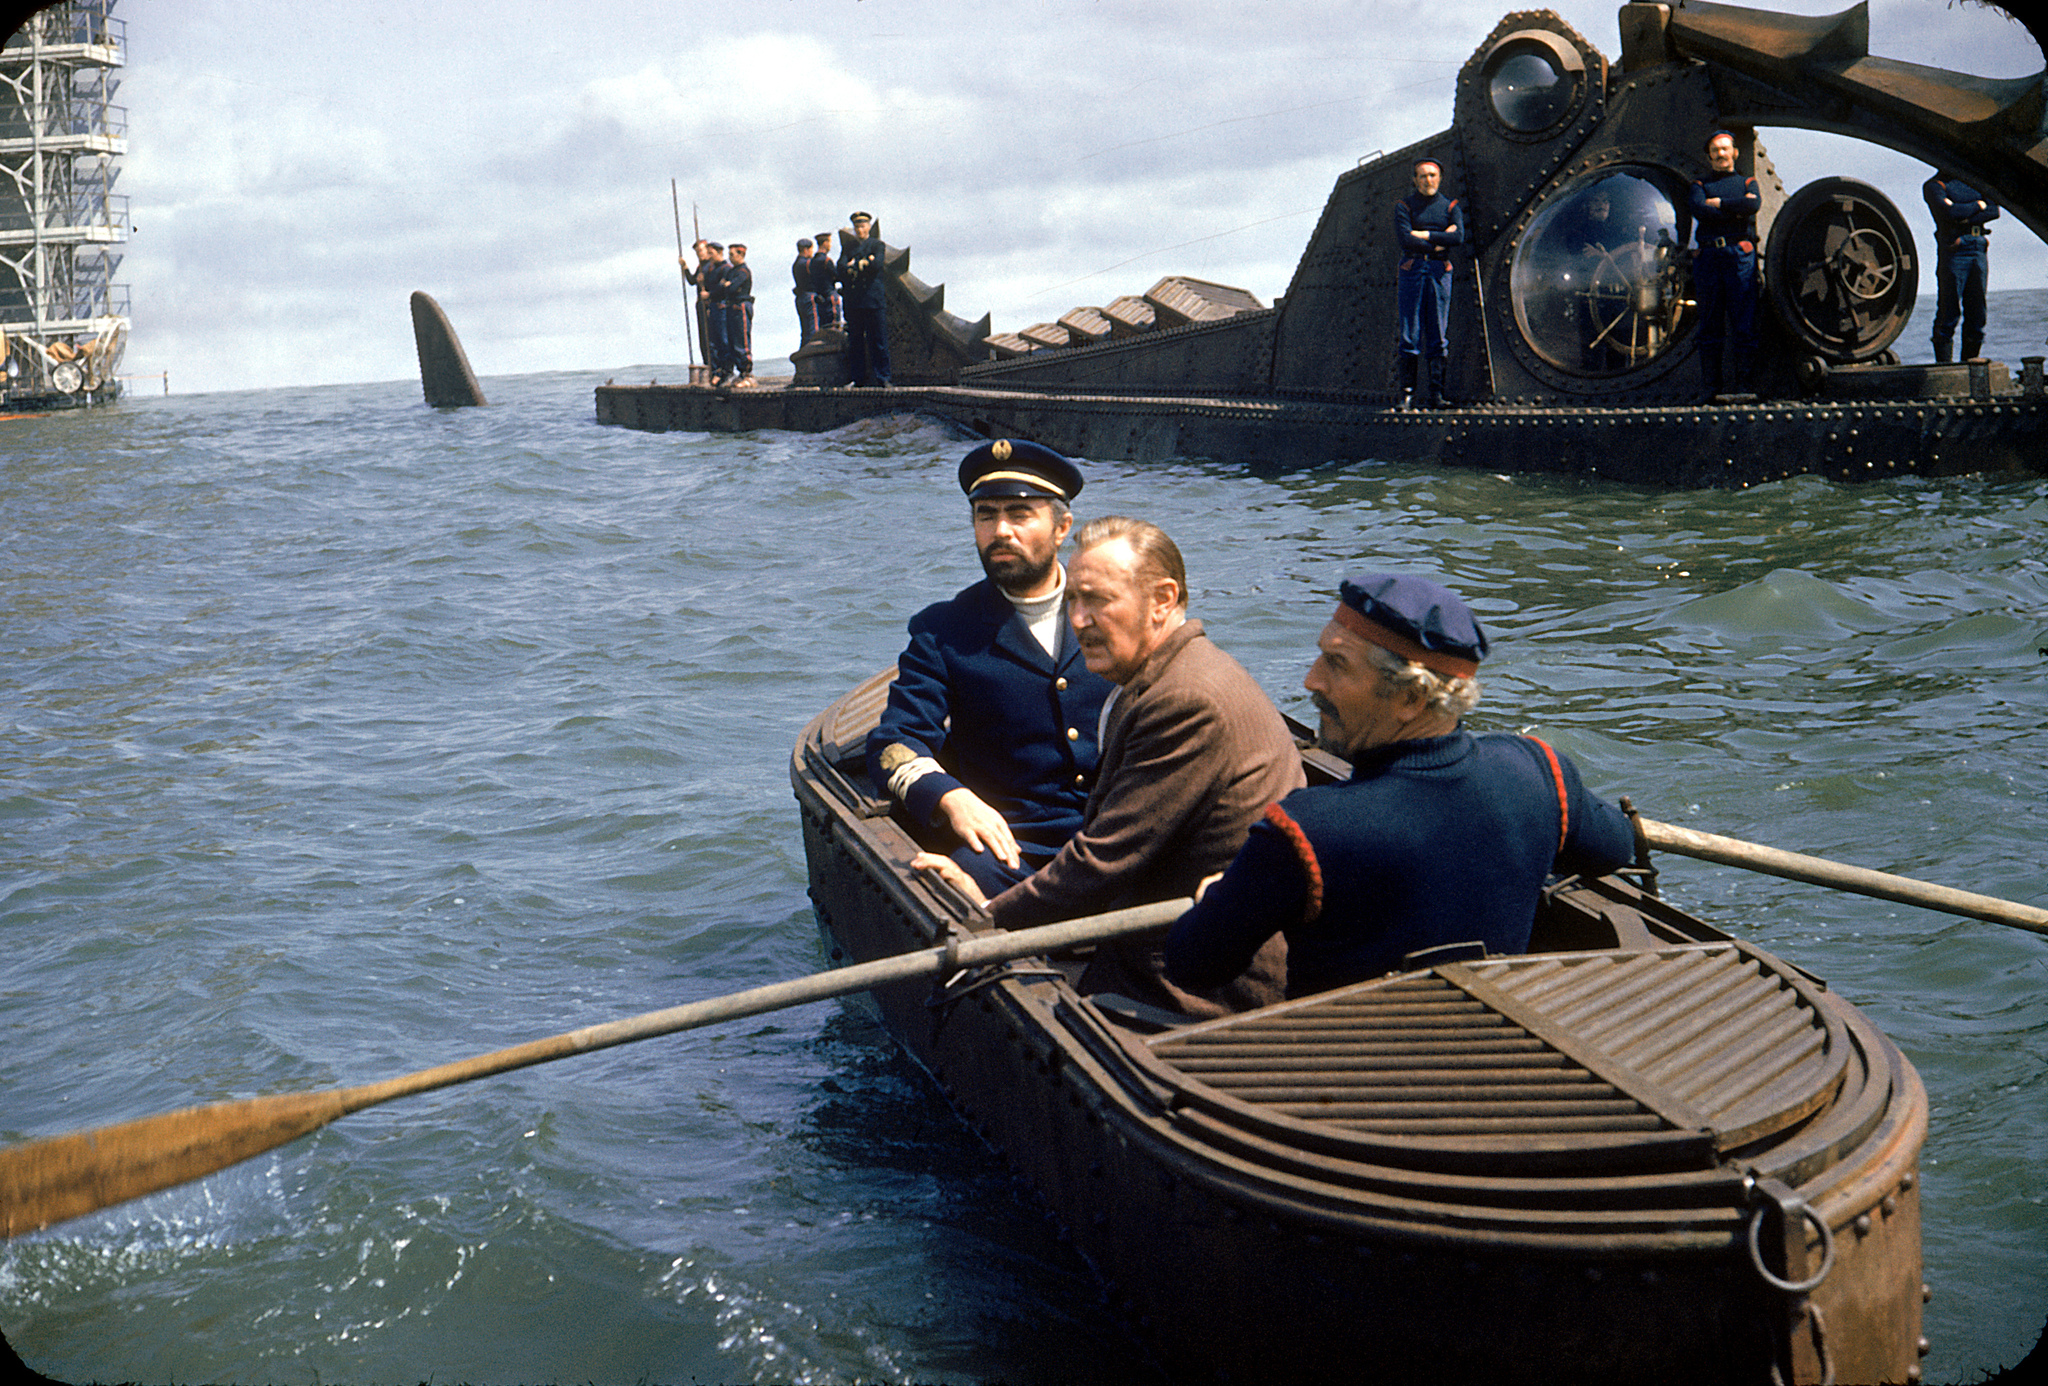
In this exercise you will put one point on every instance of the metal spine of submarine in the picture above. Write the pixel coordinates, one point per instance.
(1560, 361)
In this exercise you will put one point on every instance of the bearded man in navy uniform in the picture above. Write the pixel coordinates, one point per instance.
(989, 738)
(1438, 838)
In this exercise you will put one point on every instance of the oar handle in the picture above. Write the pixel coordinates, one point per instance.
(1792, 866)
(61, 1177)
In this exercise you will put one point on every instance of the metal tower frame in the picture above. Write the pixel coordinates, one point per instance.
(63, 320)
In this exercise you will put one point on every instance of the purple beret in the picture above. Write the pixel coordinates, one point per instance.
(1420, 620)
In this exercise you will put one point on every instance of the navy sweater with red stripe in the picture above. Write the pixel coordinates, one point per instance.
(1433, 841)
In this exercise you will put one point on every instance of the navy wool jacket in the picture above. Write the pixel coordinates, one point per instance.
(824, 275)
(1438, 215)
(1734, 220)
(1439, 840)
(1958, 209)
(978, 694)
(860, 270)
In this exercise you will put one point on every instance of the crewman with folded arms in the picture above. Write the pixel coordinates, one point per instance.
(1724, 207)
(1962, 261)
(1426, 225)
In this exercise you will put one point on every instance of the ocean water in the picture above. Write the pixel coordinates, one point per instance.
(340, 736)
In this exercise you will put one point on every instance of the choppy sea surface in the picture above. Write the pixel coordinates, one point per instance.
(340, 736)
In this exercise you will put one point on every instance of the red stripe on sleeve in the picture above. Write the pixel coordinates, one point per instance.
(1564, 804)
(1303, 853)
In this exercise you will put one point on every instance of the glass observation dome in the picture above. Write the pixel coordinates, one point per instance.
(1529, 90)
(1597, 278)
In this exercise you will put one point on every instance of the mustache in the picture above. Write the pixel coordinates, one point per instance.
(1324, 706)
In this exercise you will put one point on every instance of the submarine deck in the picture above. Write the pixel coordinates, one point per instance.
(1733, 444)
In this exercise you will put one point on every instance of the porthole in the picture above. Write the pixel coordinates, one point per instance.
(1535, 81)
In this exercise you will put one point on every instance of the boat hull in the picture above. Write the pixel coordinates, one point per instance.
(1251, 1246)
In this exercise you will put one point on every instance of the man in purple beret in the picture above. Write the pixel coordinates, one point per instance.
(1439, 837)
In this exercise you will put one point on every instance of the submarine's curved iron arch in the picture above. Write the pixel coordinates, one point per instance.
(1817, 73)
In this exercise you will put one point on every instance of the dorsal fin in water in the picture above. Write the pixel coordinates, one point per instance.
(445, 375)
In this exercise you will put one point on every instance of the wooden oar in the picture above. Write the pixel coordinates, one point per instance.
(1733, 851)
(47, 1181)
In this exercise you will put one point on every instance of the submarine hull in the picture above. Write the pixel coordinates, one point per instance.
(1685, 446)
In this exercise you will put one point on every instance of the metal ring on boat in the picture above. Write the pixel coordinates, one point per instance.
(1827, 1253)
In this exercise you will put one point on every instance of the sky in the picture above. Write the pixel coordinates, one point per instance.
(296, 168)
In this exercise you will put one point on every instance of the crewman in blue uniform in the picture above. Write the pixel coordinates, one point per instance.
(1438, 838)
(739, 319)
(866, 303)
(1962, 245)
(699, 275)
(1426, 225)
(806, 295)
(989, 737)
(1724, 207)
(825, 282)
(711, 274)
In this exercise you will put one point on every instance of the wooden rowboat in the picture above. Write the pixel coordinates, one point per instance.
(1645, 1151)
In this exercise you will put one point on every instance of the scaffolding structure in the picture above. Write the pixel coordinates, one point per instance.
(63, 319)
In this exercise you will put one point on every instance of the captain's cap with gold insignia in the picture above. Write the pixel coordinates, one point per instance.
(1011, 467)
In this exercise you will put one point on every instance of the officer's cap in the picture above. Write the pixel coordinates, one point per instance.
(1009, 467)
(1422, 621)
(860, 216)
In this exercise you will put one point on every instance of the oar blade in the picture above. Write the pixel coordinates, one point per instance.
(47, 1181)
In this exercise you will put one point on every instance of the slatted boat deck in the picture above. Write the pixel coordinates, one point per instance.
(1667, 1059)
